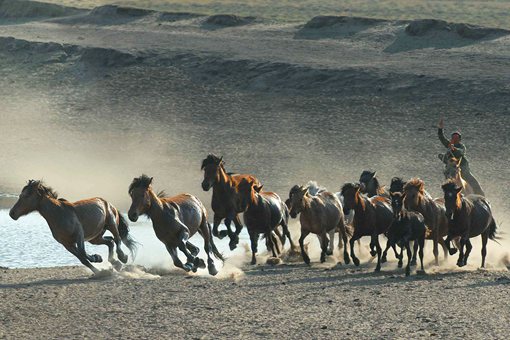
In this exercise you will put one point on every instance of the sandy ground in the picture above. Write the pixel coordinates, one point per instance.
(285, 302)
(92, 99)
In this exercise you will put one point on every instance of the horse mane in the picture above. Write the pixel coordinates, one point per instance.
(314, 189)
(40, 185)
(210, 159)
(161, 194)
(348, 186)
(296, 188)
(376, 199)
(143, 181)
(415, 183)
(449, 185)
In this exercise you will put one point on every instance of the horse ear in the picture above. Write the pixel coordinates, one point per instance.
(258, 188)
(152, 178)
(459, 189)
(221, 160)
(374, 173)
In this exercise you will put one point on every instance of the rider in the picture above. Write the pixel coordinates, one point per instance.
(458, 150)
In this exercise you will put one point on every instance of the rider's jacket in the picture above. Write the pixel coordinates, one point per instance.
(459, 153)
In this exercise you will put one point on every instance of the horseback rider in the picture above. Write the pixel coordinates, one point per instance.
(458, 150)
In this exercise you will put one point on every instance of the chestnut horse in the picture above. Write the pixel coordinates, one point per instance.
(264, 211)
(74, 223)
(175, 220)
(468, 217)
(433, 210)
(225, 196)
(320, 214)
(372, 217)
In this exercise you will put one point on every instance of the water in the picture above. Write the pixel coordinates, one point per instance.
(28, 243)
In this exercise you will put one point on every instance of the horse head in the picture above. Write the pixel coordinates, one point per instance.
(452, 198)
(297, 199)
(397, 202)
(452, 168)
(367, 181)
(211, 166)
(414, 190)
(30, 198)
(139, 190)
(350, 192)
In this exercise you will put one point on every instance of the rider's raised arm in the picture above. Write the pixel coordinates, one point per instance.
(442, 138)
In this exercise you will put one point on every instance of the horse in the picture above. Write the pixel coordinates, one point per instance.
(433, 210)
(396, 185)
(468, 217)
(73, 223)
(453, 171)
(264, 211)
(320, 214)
(372, 217)
(407, 226)
(225, 191)
(174, 219)
(369, 184)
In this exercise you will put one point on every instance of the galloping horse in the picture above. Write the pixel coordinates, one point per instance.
(320, 214)
(369, 184)
(453, 171)
(263, 212)
(407, 226)
(175, 220)
(396, 185)
(433, 210)
(372, 217)
(74, 223)
(225, 192)
(468, 216)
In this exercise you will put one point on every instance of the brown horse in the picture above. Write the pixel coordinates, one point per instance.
(468, 217)
(74, 223)
(175, 220)
(225, 196)
(454, 172)
(433, 210)
(372, 217)
(263, 212)
(320, 214)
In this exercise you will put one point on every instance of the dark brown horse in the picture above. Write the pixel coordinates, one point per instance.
(74, 223)
(175, 220)
(468, 217)
(396, 185)
(225, 196)
(372, 217)
(433, 210)
(320, 214)
(263, 212)
(369, 184)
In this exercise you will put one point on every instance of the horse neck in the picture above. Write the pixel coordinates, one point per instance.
(156, 210)
(360, 205)
(51, 209)
(373, 187)
(307, 205)
(224, 181)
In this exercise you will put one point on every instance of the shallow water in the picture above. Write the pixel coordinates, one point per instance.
(28, 243)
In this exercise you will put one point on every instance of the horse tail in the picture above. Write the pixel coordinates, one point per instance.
(125, 237)
(492, 231)
(215, 250)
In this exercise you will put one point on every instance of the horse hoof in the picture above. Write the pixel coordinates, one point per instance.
(199, 263)
(329, 252)
(346, 259)
(420, 272)
(96, 258)
(383, 259)
(461, 264)
(413, 263)
(323, 258)
(212, 270)
(194, 251)
(232, 245)
(377, 269)
(122, 258)
(452, 251)
(373, 253)
(222, 234)
(400, 265)
(253, 262)
(408, 272)
(355, 261)
(307, 260)
(187, 267)
(117, 265)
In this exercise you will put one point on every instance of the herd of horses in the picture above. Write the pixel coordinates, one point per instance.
(404, 214)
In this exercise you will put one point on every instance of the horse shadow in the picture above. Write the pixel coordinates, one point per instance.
(50, 282)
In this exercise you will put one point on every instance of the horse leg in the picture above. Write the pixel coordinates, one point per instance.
(400, 256)
(254, 238)
(385, 252)
(374, 243)
(485, 237)
(286, 232)
(344, 240)
(409, 257)
(329, 250)
(445, 248)
(108, 241)
(324, 245)
(281, 235)
(353, 239)
(238, 224)
(194, 250)
(272, 243)
(177, 262)
(460, 261)
(79, 252)
(436, 248)
(234, 239)
(469, 246)
(304, 234)
(206, 235)
(217, 220)
(415, 251)
(112, 227)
